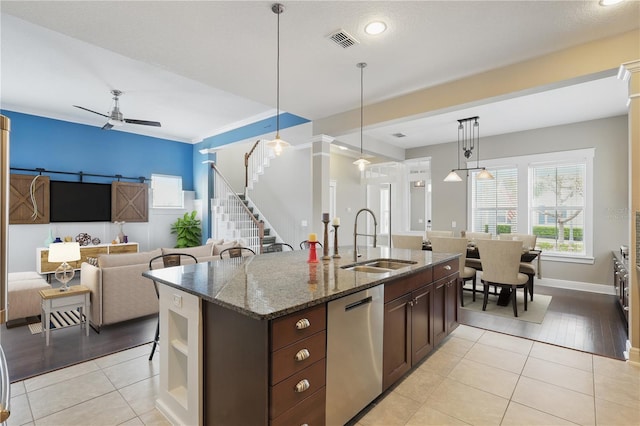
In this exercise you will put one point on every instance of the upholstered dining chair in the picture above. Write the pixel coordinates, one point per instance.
(232, 252)
(527, 268)
(173, 259)
(304, 245)
(438, 234)
(277, 247)
(413, 242)
(457, 245)
(500, 265)
(472, 237)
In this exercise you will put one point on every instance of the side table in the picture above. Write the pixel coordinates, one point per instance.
(55, 300)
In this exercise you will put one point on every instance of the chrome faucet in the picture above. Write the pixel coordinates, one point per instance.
(355, 232)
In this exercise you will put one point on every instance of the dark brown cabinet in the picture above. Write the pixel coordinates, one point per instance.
(416, 311)
(396, 349)
(445, 312)
(264, 372)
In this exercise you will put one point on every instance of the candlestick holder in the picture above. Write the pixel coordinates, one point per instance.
(325, 248)
(335, 241)
(312, 252)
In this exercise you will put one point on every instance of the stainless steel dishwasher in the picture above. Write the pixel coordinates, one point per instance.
(354, 353)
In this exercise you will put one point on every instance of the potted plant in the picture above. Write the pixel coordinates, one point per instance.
(188, 230)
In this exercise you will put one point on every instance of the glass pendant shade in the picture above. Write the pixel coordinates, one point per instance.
(277, 144)
(453, 177)
(361, 163)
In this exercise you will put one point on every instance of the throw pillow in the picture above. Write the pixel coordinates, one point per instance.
(219, 247)
(92, 261)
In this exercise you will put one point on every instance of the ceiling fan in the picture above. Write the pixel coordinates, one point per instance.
(115, 116)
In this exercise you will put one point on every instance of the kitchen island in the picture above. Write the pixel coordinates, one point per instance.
(244, 340)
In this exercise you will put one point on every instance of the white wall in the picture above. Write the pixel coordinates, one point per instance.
(25, 239)
(608, 136)
(283, 193)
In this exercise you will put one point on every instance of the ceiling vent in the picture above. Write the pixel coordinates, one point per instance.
(342, 38)
(398, 135)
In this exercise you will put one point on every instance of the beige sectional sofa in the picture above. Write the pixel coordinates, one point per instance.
(119, 292)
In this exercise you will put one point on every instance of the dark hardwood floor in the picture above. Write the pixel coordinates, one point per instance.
(584, 321)
(27, 355)
(579, 320)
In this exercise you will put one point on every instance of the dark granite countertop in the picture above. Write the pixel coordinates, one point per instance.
(271, 285)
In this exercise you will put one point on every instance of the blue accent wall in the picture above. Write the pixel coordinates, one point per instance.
(38, 142)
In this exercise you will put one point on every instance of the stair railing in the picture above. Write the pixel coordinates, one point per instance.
(236, 209)
(254, 163)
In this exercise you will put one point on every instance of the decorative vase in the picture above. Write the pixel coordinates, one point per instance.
(49, 239)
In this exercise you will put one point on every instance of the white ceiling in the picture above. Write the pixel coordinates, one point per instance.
(202, 67)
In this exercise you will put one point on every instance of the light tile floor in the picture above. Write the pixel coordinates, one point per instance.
(480, 377)
(475, 377)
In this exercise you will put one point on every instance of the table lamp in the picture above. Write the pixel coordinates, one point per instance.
(64, 252)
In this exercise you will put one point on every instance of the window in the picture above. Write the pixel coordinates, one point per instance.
(495, 202)
(167, 191)
(549, 195)
(557, 205)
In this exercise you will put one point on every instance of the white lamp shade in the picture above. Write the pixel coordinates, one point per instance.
(64, 252)
(484, 175)
(453, 177)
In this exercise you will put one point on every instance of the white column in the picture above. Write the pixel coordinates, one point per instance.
(320, 180)
(631, 71)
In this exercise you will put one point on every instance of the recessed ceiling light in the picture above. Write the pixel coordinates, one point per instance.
(609, 2)
(378, 27)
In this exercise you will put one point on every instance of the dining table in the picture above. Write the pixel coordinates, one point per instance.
(528, 256)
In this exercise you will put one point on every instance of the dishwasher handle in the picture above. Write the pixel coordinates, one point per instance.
(360, 302)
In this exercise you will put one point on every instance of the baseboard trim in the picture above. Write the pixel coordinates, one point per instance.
(576, 285)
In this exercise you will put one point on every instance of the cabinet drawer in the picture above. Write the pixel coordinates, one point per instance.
(285, 362)
(296, 326)
(65, 301)
(309, 412)
(284, 395)
(402, 286)
(444, 269)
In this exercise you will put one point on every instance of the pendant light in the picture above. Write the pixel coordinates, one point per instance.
(469, 138)
(361, 162)
(277, 144)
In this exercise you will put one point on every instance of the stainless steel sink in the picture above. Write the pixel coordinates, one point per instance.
(391, 263)
(379, 266)
(368, 269)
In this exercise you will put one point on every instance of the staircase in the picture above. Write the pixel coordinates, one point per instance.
(233, 218)
(268, 239)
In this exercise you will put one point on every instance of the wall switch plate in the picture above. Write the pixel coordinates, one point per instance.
(303, 223)
(177, 301)
(453, 223)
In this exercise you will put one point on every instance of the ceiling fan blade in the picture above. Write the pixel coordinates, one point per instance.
(90, 110)
(107, 126)
(142, 122)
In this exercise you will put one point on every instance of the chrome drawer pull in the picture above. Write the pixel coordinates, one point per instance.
(302, 324)
(447, 267)
(302, 355)
(302, 386)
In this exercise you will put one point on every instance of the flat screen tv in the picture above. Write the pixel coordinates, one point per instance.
(79, 202)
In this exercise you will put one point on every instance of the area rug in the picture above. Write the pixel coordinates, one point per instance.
(535, 312)
(59, 319)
